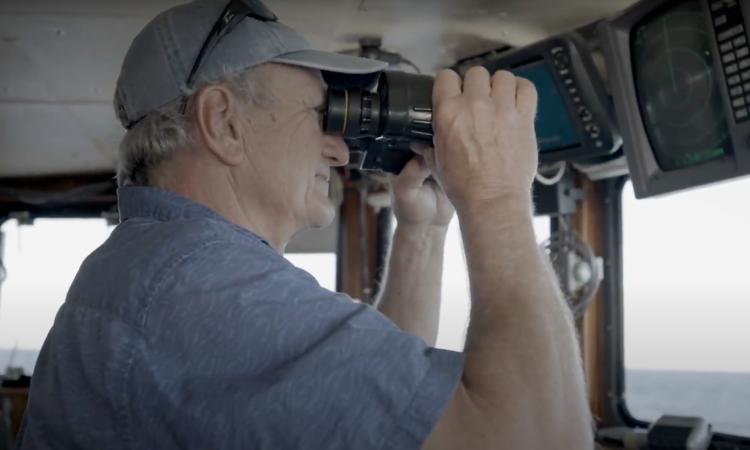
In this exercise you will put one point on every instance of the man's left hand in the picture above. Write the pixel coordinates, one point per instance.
(418, 200)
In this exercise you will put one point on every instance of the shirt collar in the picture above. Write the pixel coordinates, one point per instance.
(154, 203)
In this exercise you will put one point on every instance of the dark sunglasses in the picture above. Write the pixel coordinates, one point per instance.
(234, 13)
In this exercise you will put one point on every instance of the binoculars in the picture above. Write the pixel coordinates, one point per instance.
(382, 117)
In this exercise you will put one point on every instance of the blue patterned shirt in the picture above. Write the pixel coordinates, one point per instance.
(185, 331)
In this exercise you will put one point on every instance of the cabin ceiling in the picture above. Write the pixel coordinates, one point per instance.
(60, 59)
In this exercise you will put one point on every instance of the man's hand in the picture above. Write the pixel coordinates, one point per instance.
(411, 293)
(418, 199)
(523, 385)
(485, 145)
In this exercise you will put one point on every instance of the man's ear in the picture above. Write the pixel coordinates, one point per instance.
(218, 123)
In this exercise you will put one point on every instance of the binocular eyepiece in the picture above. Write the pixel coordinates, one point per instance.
(384, 121)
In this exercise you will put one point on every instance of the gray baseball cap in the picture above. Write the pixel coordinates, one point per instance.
(159, 61)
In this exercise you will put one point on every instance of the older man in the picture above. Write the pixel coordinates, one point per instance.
(188, 328)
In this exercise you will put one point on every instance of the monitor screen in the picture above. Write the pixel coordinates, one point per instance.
(555, 129)
(677, 91)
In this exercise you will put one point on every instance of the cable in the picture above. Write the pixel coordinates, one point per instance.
(409, 63)
(561, 167)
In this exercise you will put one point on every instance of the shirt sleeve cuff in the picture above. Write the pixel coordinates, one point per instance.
(433, 394)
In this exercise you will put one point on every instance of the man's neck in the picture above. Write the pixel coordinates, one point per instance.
(213, 187)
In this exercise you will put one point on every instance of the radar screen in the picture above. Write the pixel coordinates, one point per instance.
(677, 91)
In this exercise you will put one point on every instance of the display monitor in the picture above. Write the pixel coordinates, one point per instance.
(679, 72)
(575, 116)
(555, 128)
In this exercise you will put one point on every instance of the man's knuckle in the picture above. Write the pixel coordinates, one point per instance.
(446, 73)
(503, 76)
(478, 104)
(478, 70)
(443, 113)
(523, 83)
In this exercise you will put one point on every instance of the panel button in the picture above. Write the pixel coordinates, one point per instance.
(747, 98)
(735, 91)
(727, 58)
(564, 72)
(572, 91)
(720, 20)
(576, 99)
(561, 60)
(593, 130)
(737, 102)
(715, 6)
(740, 113)
(732, 68)
(730, 33)
(745, 75)
(740, 41)
(745, 63)
(734, 79)
(742, 52)
(568, 81)
(726, 46)
(584, 113)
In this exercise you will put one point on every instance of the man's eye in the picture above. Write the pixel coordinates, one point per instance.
(321, 112)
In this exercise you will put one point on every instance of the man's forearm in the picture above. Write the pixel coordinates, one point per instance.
(521, 332)
(411, 293)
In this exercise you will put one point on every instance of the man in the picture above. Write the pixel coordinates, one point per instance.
(188, 328)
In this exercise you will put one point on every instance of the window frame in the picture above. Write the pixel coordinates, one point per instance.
(611, 325)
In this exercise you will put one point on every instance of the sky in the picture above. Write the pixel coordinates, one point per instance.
(687, 286)
(687, 279)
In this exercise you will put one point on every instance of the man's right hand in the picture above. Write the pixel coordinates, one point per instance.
(485, 145)
(522, 385)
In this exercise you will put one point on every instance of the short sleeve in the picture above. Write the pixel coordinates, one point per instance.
(243, 350)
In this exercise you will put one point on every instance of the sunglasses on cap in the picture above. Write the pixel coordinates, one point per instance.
(234, 13)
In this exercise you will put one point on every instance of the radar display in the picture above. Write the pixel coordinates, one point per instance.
(677, 91)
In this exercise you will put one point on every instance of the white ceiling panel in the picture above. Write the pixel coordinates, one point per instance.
(60, 59)
(43, 139)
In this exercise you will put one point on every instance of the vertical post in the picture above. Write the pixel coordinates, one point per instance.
(588, 221)
(358, 239)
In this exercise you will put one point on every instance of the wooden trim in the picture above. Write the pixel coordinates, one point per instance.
(350, 258)
(17, 400)
(588, 221)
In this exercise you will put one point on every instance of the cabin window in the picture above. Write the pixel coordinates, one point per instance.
(320, 265)
(41, 261)
(687, 305)
(454, 311)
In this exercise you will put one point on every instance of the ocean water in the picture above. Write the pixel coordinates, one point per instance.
(23, 358)
(722, 398)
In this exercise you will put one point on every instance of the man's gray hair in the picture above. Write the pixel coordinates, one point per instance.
(161, 133)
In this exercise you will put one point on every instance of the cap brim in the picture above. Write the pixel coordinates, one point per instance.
(331, 62)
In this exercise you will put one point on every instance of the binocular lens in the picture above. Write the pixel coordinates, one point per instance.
(400, 108)
(352, 113)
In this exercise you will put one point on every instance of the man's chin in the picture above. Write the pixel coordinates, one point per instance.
(322, 215)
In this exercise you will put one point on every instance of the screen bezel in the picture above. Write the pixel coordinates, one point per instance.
(591, 90)
(648, 177)
(565, 99)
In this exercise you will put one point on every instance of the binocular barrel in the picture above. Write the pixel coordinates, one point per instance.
(400, 108)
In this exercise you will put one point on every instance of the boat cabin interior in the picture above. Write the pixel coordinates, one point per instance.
(643, 131)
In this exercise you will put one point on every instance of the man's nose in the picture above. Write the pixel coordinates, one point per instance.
(336, 151)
